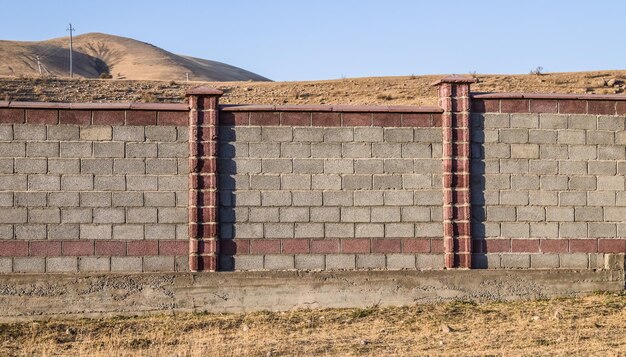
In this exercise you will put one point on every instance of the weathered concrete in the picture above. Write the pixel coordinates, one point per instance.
(27, 297)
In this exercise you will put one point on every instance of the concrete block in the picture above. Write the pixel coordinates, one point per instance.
(158, 231)
(295, 182)
(357, 150)
(76, 215)
(96, 166)
(126, 264)
(294, 214)
(308, 134)
(77, 182)
(357, 182)
(514, 136)
(612, 152)
(94, 264)
(614, 214)
(571, 137)
(326, 182)
(160, 133)
(42, 149)
(307, 198)
(61, 264)
(515, 229)
(491, 120)
(369, 230)
(355, 214)
(276, 198)
(573, 230)
(29, 265)
(6, 166)
(371, 261)
(338, 198)
(428, 198)
(335, 134)
(244, 230)
(387, 182)
(129, 166)
(141, 183)
(339, 230)
(602, 230)
(140, 150)
(325, 214)
(25, 199)
(264, 214)
(176, 150)
(530, 121)
(30, 231)
(172, 215)
(398, 135)
(559, 214)
(369, 198)
(109, 183)
(339, 166)
(252, 133)
(368, 166)
(544, 230)
(340, 261)
(308, 166)
(610, 183)
(515, 261)
(96, 132)
(310, 262)
(265, 182)
(63, 132)
(415, 214)
(368, 134)
(513, 197)
(279, 262)
(181, 264)
(173, 183)
(543, 198)
(63, 231)
(161, 166)
(553, 152)
(610, 122)
(417, 150)
(524, 151)
(542, 136)
(6, 132)
(158, 264)
(44, 215)
(273, 166)
(100, 231)
(427, 135)
(401, 261)
(581, 152)
(13, 149)
(6, 231)
(265, 150)
(572, 198)
(129, 133)
(29, 132)
(309, 230)
(429, 230)
(272, 133)
(326, 150)
(554, 183)
(399, 230)
(418, 181)
(544, 261)
(385, 214)
(43, 182)
(248, 262)
(6, 265)
(108, 215)
(95, 199)
(13, 215)
(75, 149)
(395, 166)
(430, 262)
(606, 167)
(595, 137)
(586, 122)
(386, 150)
(575, 261)
(295, 150)
(127, 199)
(278, 230)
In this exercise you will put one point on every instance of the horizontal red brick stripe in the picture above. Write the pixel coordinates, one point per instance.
(600, 245)
(549, 103)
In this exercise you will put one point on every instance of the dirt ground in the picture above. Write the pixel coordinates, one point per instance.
(586, 326)
(408, 90)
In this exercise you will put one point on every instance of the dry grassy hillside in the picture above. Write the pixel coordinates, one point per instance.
(409, 90)
(122, 58)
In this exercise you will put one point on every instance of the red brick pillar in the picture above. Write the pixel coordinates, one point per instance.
(457, 234)
(203, 195)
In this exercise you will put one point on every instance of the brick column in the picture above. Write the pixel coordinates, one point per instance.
(455, 102)
(203, 195)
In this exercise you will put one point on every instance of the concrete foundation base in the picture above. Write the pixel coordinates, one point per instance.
(28, 297)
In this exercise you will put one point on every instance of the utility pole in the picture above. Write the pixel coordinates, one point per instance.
(38, 64)
(71, 29)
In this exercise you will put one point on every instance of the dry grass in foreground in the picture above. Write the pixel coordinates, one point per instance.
(594, 325)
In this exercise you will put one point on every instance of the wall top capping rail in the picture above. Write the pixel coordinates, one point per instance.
(97, 106)
(564, 96)
(332, 108)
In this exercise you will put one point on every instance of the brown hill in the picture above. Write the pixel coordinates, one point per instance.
(122, 58)
(410, 90)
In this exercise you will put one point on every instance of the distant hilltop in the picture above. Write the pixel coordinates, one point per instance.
(98, 55)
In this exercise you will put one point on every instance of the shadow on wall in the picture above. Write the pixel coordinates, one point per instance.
(227, 183)
(477, 193)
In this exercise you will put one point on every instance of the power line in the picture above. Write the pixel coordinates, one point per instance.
(71, 29)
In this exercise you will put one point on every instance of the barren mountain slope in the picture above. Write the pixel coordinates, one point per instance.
(409, 90)
(123, 58)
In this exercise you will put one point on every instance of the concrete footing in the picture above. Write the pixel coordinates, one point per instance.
(30, 297)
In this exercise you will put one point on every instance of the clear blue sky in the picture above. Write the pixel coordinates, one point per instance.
(289, 40)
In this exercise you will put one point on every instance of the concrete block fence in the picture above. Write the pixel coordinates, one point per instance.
(480, 181)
